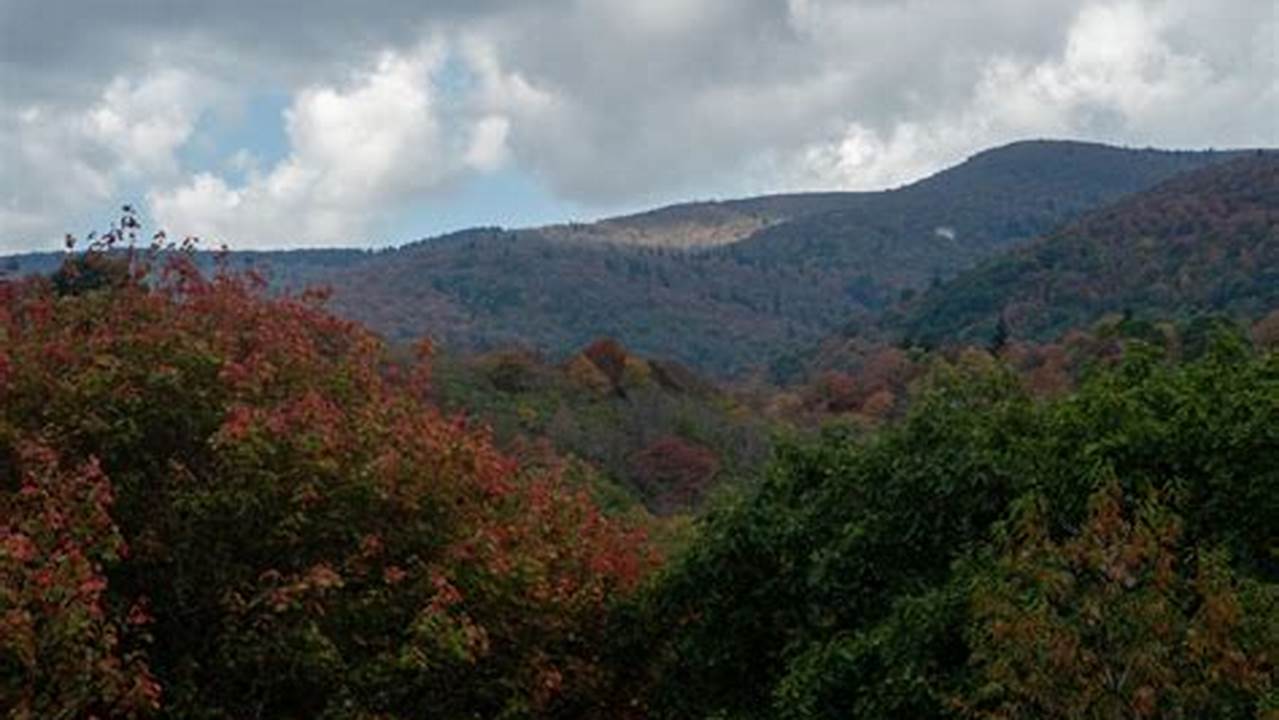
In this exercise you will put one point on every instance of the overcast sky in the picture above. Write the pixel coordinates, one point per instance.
(266, 123)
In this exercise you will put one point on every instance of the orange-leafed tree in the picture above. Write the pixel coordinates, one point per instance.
(610, 357)
(1119, 621)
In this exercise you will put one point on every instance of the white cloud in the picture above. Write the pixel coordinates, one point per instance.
(60, 160)
(488, 148)
(1117, 78)
(142, 125)
(354, 150)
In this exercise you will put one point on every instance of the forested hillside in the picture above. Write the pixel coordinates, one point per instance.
(739, 306)
(1204, 242)
(649, 431)
(945, 223)
(722, 286)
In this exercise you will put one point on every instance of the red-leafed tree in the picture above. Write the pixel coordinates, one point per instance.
(839, 392)
(69, 653)
(1265, 333)
(225, 504)
(610, 357)
(674, 473)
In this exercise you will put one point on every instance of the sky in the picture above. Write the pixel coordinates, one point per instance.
(277, 123)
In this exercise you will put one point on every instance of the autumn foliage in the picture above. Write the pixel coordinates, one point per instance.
(218, 504)
(1119, 621)
(65, 653)
(674, 472)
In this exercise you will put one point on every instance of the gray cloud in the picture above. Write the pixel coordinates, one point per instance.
(609, 102)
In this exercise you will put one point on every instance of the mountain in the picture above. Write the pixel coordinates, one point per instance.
(725, 286)
(1203, 242)
(809, 263)
(951, 220)
(286, 269)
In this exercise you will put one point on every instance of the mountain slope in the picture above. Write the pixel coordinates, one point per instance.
(949, 221)
(652, 430)
(726, 309)
(723, 286)
(285, 269)
(482, 289)
(701, 224)
(1207, 241)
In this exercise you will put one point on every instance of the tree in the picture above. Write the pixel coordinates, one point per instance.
(610, 357)
(673, 473)
(238, 505)
(1001, 335)
(1118, 621)
(1265, 333)
(63, 650)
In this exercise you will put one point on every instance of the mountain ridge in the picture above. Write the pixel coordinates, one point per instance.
(725, 286)
(732, 307)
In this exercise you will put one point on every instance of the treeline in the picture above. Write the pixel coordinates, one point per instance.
(863, 382)
(729, 309)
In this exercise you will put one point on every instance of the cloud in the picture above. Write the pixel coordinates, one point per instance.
(353, 150)
(57, 161)
(644, 103)
(1120, 77)
(488, 149)
(606, 103)
(360, 150)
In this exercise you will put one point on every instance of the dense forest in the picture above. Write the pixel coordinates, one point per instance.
(652, 431)
(1043, 486)
(815, 262)
(1109, 552)
(1207, 241)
